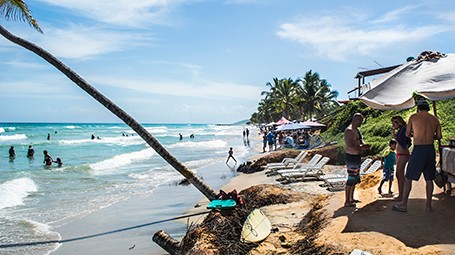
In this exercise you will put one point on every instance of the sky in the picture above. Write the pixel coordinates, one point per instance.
(203, 61)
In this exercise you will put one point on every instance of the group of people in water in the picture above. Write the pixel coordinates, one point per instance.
(424, 128)
(31, 153)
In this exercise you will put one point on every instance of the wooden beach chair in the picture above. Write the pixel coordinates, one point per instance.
(313, 161)
(287, 161)
(287, 176)
(334, 184)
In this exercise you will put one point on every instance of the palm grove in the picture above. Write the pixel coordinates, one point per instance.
(304, 98)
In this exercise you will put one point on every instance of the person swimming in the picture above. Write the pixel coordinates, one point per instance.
(59, 162)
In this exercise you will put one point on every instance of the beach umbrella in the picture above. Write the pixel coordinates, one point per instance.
(292, 126)
(313, 124)
(282, 121)
(431, 75)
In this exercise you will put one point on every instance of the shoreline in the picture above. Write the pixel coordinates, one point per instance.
(167, 201)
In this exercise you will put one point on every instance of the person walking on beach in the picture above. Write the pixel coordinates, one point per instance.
(387, 166)
(231, 155)
(30, 152)
(354, 147)
(47, 159)
(264, 142)
(12, 153)
(425, 128)
(270, 140)
(403, 144)
(247, 133)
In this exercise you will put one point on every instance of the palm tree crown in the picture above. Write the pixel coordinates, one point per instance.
(18, 10)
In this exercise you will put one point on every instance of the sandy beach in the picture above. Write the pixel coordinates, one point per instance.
(372, 226)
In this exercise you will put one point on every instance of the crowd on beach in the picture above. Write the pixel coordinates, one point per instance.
(424, 128)
(298, 139)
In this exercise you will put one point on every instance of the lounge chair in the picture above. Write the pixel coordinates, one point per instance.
(313, 161)
(334, 184)
(302, 173)
(287, 161)
(363, 167)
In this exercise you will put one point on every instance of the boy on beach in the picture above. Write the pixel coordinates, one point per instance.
(388, 163)
(231, 155)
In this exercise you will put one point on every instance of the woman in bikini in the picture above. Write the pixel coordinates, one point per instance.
(399, 133)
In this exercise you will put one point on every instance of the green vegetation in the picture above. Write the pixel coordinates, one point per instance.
(376, 129)
(301, 99)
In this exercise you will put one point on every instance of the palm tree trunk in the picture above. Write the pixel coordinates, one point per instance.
(136, 126)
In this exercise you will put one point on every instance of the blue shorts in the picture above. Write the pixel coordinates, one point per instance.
(423, 160)
(387, 174)
(353, 168)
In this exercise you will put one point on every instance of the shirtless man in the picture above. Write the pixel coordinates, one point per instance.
(354, 147)
(425, 128)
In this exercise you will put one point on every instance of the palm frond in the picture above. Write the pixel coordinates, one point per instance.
(17, 10)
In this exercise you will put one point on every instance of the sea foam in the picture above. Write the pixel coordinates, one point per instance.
(13, 193)
(12, 137)
(202, 145)
(110, 166)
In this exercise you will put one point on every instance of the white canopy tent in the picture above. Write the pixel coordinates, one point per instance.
(431, 78)
(292, 126)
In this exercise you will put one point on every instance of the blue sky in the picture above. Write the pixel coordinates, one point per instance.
(203, 61)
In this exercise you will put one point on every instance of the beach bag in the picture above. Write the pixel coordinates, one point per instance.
(441, 179)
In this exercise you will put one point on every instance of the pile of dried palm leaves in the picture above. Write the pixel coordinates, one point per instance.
(220, 232)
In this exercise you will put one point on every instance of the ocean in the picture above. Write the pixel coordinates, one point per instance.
(96, 173)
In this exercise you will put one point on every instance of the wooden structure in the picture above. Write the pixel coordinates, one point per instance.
(361, 79)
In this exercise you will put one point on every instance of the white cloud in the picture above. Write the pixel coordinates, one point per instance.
(396, 14)
(198, 88)
(339, 37)
(122, 12)
(81, 42)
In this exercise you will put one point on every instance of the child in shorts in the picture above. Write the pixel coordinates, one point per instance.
(388, 166)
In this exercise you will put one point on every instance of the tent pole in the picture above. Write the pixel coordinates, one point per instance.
(439, 140)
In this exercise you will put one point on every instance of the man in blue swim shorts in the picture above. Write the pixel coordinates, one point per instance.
(425, 128)
(354, 147)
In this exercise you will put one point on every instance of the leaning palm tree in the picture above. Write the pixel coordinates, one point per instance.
(18, 10)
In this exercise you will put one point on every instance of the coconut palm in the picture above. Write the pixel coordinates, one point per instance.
(18, 10)
(308, 92)
(326, 99)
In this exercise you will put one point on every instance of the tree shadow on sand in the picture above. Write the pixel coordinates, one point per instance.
(414, 228)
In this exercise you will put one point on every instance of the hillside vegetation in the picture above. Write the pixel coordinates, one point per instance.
(376, 130)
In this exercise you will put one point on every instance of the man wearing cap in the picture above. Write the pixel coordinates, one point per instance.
(425, 128)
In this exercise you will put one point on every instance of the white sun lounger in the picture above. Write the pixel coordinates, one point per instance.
(302, 173)
(312, 162)
(363, 167)
(287, 161)
(334, 184)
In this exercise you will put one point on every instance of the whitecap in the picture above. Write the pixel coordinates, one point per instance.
(12, 137)
(203, 145)
(112, 165)
(13, 193)
(2, 130)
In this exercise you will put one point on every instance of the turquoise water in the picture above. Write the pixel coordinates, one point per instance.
(96, 173)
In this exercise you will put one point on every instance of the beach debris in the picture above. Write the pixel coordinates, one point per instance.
(220, 233)
(359, 252)
(132, 247)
